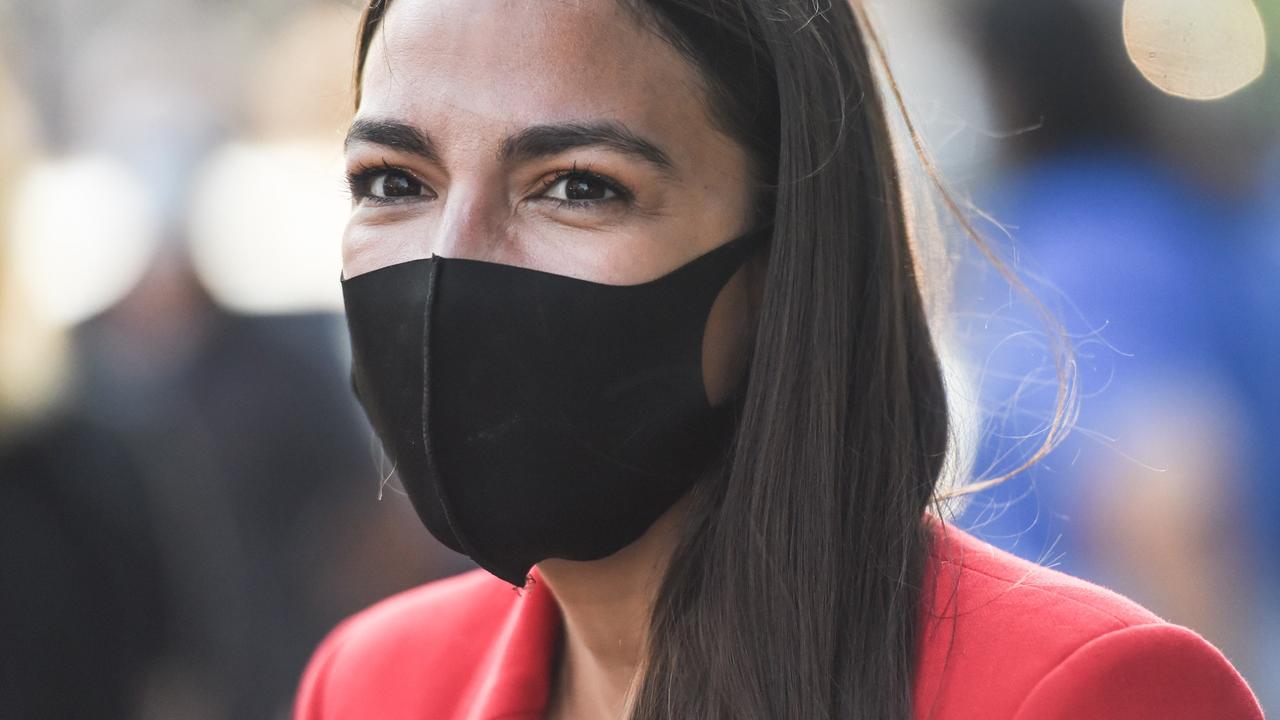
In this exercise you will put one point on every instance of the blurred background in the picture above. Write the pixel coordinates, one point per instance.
(190, 497)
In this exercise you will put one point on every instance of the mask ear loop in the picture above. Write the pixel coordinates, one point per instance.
(727, 413)
(725, 261)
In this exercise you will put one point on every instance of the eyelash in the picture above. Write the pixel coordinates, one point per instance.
(621, 194)
(359, 179)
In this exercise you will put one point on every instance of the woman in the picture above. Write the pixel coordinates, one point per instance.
(633, 312)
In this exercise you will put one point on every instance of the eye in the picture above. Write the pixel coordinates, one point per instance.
(384, 185)
(582, 188)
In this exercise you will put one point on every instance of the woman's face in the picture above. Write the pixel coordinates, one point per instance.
(559, 136)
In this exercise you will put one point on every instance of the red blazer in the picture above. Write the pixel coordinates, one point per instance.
(1003, 638)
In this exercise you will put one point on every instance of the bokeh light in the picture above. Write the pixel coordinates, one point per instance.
(1196, 49)
(83, 233)
(266, 223)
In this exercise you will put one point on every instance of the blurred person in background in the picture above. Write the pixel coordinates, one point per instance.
(1125, 205)
(253, 476)
(81, 612)
(1254, 350)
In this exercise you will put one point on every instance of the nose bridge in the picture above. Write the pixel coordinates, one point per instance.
(473, 223)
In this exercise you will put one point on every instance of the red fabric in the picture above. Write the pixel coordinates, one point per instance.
(1003, 638)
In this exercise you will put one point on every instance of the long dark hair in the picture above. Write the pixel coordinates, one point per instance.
(796, 588)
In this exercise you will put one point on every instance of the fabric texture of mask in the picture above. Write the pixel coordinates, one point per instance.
(531, 415)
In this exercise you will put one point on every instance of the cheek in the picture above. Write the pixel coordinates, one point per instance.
(369, 247)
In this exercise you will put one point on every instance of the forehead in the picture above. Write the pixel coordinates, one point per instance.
(518, 62)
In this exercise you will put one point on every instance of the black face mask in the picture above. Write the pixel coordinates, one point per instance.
(531, 415)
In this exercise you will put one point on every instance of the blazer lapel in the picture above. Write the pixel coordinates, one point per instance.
(514, 682)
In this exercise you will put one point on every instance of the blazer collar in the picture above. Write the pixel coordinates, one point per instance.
(514, 682)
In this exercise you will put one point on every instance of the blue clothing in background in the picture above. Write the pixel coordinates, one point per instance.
(1139, 268)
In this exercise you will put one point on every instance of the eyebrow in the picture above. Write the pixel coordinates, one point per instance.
(396, 135)
(530, 143)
